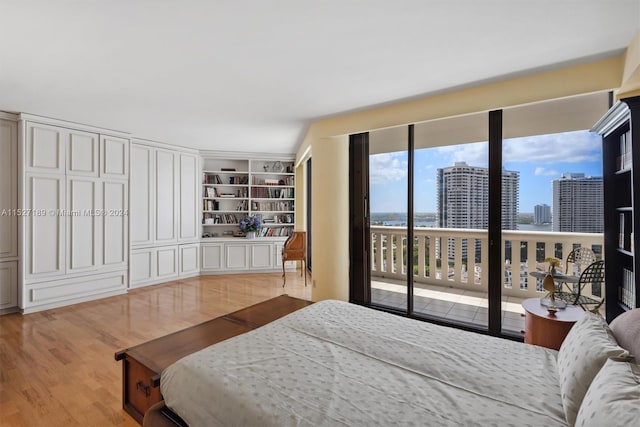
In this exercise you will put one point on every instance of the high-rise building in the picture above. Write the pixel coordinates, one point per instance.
(578, 204)
(463, 197)
(542, 214)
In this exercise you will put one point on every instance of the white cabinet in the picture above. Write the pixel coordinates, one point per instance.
(45, 226)
(75, 191)
(233, 255)
(115, 223)
(212, 257)
(8, 215)
(166, 262)
(82, 216)
(152, 265)
(236, 256)
(8, 189)
(142, 191)
(114, 157)
(164, 213)
(44, 148)
(188, 197)
(8, 285)
(141, 266)
(82, 152)
(166, 207)
(188, 262)
(261, 256)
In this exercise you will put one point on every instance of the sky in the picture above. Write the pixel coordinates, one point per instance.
(539, 159)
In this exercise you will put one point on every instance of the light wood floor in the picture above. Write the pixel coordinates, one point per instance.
(57, 367)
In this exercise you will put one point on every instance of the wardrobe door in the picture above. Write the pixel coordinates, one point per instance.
(115, 228)
(45, 227)
(83, 224)
(165, 197)
(44, 151)
(141, 207)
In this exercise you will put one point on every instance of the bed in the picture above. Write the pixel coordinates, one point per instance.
(335, 363)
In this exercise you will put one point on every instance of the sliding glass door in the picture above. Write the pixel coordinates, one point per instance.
(447, 203)
(450, 199)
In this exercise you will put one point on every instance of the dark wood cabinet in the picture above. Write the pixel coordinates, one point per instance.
(620, 130)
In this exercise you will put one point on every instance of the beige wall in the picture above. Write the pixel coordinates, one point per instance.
(330, 150)
(330, 218)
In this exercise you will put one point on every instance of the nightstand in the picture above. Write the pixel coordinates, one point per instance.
(545, 329)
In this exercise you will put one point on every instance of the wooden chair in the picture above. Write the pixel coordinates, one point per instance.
(295, 249)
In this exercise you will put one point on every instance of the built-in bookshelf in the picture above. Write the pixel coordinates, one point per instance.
(621, 209)
(233, 189)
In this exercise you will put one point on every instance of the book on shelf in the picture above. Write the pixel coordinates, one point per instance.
(627, 293)
(239, 180)
(211, 192)
(208, 178)
(228, 169)
(625, 160)
(621, 231)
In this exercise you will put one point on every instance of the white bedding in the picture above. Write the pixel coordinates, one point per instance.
(335, 363)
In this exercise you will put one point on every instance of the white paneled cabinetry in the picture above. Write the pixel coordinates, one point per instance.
(164, 218)
(75, 222)
(8, 213)
(87, 213)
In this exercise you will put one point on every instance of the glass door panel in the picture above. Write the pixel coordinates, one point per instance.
(450, 219)
(557, 165)
(388, 166)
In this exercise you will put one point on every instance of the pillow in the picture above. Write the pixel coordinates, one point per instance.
(613, 399)
(626, 329)
(584, 351)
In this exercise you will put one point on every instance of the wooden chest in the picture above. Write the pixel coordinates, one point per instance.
(143, 364)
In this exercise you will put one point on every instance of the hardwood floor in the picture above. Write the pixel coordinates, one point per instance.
(57, 366)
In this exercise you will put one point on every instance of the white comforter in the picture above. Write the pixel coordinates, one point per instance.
(335, 363)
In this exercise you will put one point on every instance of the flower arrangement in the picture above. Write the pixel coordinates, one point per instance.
(553, 263)
(251, 223)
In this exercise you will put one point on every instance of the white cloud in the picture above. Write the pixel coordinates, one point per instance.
(540, 171)
(475, 154)
(568, 147)
(387, 167)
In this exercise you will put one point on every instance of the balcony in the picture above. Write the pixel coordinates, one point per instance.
(450, 277)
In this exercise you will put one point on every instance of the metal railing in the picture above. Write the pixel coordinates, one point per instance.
(458, 257)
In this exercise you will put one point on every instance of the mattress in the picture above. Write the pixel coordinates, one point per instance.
(335, 363)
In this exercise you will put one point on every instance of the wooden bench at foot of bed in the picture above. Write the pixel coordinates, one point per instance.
(143, 364)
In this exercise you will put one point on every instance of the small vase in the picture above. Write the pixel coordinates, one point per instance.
(251, 234)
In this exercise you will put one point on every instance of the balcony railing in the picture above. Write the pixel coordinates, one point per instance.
(458, 257)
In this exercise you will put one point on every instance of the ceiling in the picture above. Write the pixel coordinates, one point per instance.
(253, 75)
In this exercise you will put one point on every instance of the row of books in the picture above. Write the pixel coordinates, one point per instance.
(208, 219)
(214, 205)
(270, 181)
(208, 178)
(272, 193)
(275, 231)
(627, 293)
(214, 192)
(625, 161)
(272, 206)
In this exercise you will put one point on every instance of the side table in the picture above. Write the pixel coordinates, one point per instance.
(545, 329)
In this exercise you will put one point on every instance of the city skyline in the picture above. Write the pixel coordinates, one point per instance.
(539, 159)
